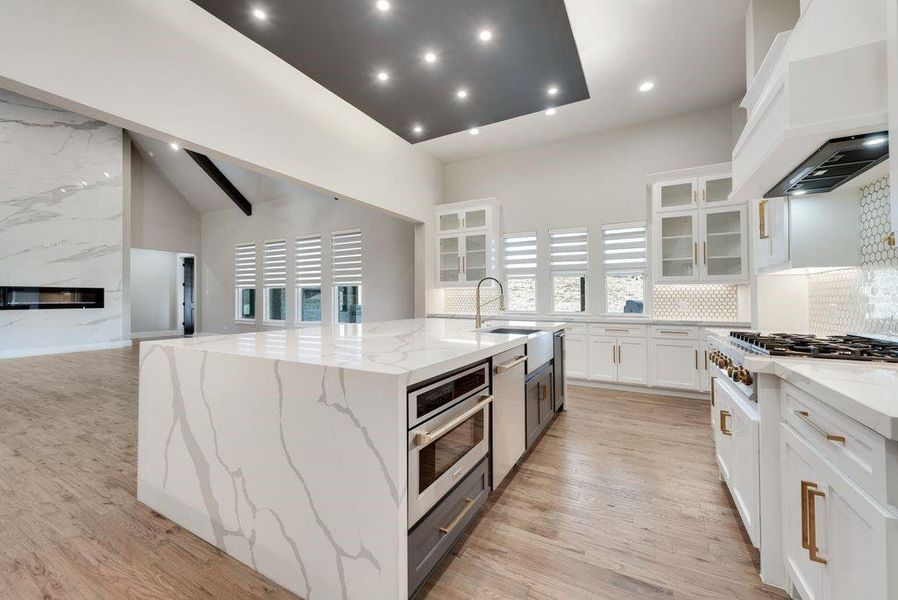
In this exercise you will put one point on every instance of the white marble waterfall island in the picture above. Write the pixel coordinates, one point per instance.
(288, 449)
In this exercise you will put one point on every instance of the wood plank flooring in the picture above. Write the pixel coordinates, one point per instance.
(620, 499)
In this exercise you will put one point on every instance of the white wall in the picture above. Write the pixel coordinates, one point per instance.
(590, 180)
(764, 19)
(161, 219)
(173, 71)
(60, 223)
(154, 292)
(388, 260)
(782, 303)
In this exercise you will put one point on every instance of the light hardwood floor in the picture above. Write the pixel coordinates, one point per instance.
(620, 499)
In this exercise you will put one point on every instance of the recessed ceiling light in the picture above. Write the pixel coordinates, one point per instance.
(430, 57)
(646, 86)
(174, 146)
(474, 131)
(62, 190)
(551, 111)
(485, 35)
(151, 154)
(84, 183)
(260, 14)
(799, 192)
(552, 91)
(417, 129)
(106, 173)
(383, 76)
(876, 141)
(461, 94)
(383, 5)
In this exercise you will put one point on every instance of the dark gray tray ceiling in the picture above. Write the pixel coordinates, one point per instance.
(342, 44)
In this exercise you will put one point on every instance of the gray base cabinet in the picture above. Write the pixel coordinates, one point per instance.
(540, 404)
(435, 534)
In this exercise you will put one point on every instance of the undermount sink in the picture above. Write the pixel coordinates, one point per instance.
(512, 330)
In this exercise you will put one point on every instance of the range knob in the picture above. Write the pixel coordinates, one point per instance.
(742, 376)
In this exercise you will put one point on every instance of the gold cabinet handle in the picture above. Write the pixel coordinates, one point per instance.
(804, 512)
(705, 252)
(696, 360)
(806, 417)
(703, 196)
(712, 389)
(813, 494)
(617, 330)
(695, 253)
(510, 364)
(723, 422)
(618, 354)
(706, 360)
(469, 503)
(463, 264)
(762, 220)
(673, 332)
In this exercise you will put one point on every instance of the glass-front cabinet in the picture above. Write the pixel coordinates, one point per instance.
(466, 233)
(699, 234)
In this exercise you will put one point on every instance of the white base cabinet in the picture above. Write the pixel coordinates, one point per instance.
(838, 541)
(576, 356)
(675, 364)
(618, 359)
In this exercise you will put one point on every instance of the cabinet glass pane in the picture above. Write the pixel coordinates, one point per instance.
(677, 246)
(449, 262)
(678, 194)
(724, 243)
(475, 218)
(718, 190)
(475, 257)
(449, 222)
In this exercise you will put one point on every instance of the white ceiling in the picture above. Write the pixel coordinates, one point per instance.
(694, 51)
(200, 191)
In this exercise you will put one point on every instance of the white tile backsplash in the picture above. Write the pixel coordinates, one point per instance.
(705, 302)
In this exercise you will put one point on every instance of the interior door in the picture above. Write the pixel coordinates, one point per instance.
(602, 358)
(632, 361)
(677, 239)
(188, 301)
(724, 248)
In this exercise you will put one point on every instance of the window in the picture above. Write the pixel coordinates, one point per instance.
(245, 282)
(624, 251)
(274, 278)
(347, 263)
(569, 253)
(308, 278)
(520, 271)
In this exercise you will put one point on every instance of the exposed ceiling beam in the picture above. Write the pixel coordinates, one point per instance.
(223, 182)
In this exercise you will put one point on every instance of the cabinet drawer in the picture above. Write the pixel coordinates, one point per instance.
(674, 332)
(576, 328)
(865, 456)
(434, 535)
(613, 329)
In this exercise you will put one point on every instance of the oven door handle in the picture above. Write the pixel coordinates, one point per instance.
(422, 438)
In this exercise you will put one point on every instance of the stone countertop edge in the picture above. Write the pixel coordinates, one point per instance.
(599, 319)
(865, 392)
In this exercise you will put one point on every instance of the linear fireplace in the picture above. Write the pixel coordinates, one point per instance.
(43, 298)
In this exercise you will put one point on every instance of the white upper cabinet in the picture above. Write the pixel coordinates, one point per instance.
(466, 238)
(699, 233)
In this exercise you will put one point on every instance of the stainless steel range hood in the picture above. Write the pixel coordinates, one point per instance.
(835, 162)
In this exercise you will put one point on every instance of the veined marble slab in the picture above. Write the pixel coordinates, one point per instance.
(288, 449)
(416, 348)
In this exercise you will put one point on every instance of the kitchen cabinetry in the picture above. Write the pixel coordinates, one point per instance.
(675, 364)
(466, 238)
(618, 359)
(576, 356)
(838, 541)
(699, 235)
(736, 448)
(508, 420)
(540, 390)
(558, 365)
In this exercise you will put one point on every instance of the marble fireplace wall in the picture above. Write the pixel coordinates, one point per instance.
(61, 215)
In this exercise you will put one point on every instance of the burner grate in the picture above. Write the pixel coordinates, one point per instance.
(843, 347)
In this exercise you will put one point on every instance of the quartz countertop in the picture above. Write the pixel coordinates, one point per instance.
(865, 391)
(609, 319)
(417, 348)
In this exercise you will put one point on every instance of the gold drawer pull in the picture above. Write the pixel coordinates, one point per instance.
(723, 422)
(673, 331)
(712, 389)
(804, 513)
(806, 417)
(469, 502)
(762, 220)
(813, 494)
(510, 364)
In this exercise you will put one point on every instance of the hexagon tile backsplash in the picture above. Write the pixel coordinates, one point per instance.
(863, 299)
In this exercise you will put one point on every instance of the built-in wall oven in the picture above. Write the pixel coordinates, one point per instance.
(449, 431)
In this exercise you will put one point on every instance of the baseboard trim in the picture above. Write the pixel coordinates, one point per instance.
(63, 349)
(142, 335)
(639, 389)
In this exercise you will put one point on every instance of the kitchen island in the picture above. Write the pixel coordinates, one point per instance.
(289, 449)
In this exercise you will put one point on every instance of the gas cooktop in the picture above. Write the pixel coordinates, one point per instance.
(845, 347)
